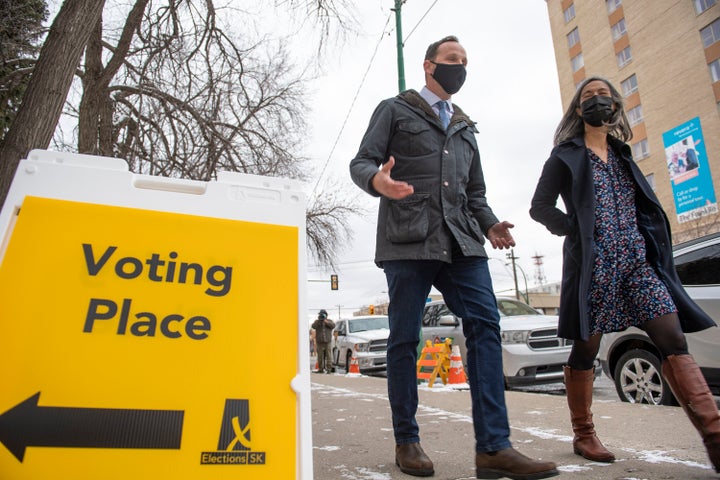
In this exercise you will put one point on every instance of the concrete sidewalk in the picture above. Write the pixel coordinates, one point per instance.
(352, 434)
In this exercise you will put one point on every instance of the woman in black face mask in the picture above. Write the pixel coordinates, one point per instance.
(618, 267)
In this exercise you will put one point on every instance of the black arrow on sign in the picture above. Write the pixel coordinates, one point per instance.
(28, 425)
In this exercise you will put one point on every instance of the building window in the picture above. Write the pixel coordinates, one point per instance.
(635, 115)
(629, 85)
(702, 5)
(640, 150)
(573, 37)
(624, 57)
(711, 33)
(569, 13)
(618, 30)
(577, 62)
(715, 70)
(612, 5)
(651, 180)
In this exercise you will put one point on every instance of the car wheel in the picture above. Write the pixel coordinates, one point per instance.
(638, 379)
(348, 360)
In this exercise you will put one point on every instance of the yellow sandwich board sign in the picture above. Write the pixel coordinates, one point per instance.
(136, 319)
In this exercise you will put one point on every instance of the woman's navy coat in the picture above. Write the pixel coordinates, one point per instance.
(568, 174)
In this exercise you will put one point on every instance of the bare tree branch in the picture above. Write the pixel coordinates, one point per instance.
(168, 87)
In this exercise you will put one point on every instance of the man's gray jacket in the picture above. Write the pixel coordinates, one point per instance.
(444, 169)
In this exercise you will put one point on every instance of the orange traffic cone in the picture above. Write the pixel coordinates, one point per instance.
(456, 375)
(354, 365)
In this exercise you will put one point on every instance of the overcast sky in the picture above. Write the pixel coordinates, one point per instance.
(511, 92)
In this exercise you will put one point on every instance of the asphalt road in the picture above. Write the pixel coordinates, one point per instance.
(352, 434)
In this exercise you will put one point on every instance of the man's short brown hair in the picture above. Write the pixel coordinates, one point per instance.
(431, 52)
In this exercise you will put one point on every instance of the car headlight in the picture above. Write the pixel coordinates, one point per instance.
(362, 347)
(514, 336)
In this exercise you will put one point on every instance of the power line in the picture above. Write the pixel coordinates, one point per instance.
(357, 92)
(345, 267)
(352, 104)
(419, 22)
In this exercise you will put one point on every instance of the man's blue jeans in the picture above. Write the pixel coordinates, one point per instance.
(467, 289)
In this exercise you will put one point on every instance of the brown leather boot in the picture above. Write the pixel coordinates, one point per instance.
(579, 387)
(691, 391)
(512, 464)
(412, 460)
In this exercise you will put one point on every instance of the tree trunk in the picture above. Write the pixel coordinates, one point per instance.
(88, 112)
(43, 101)
(95, 128)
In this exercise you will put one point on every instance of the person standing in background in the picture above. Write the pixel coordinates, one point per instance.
(323, 327)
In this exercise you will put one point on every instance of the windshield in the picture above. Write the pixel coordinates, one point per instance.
(363, 324)
(512, 308)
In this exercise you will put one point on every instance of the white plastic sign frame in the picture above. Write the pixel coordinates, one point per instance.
(96, 194)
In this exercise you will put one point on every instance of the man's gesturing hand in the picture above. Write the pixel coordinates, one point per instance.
(500, 236)
(386, 186)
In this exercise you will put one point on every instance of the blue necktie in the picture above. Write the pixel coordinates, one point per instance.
(443, 113)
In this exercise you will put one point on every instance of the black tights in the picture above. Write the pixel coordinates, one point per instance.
(664, 331)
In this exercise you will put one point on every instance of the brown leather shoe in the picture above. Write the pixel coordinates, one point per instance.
(412, 460)
(512, 464)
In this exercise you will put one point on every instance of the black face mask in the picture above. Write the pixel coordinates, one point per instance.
(596, 110)
(450, 76)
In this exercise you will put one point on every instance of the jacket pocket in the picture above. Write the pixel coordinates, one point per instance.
(572, 249)
(465, 151)
(412, 139)
(407, 219)
(572, 244)
(473, 228)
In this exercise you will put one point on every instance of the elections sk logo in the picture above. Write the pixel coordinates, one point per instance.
(234, 446)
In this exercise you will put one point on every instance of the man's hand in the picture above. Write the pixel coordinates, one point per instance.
(386, 186)
(499, 235)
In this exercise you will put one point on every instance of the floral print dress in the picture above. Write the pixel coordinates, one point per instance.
(625, 290)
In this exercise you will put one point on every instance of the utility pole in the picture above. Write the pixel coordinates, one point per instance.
(398, 38)
(539, 273)
(511, 256)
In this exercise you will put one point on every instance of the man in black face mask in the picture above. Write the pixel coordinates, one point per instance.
(419, 155)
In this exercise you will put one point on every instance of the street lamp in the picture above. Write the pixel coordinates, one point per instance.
(527, 295)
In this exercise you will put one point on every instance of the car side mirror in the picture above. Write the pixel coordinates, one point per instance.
(448, 321)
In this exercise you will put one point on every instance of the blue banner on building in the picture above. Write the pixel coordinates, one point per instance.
(689, 170)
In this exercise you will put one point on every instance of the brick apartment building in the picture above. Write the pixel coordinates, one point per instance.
(664, 56)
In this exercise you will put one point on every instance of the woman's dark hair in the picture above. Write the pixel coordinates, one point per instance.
(572, 124)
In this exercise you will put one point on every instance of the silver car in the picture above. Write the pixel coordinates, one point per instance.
(368, 336)
(632, 361)
(533, 354)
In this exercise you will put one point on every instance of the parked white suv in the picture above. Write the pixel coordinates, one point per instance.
(632, 361)
(533, 354)
(367, 335)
